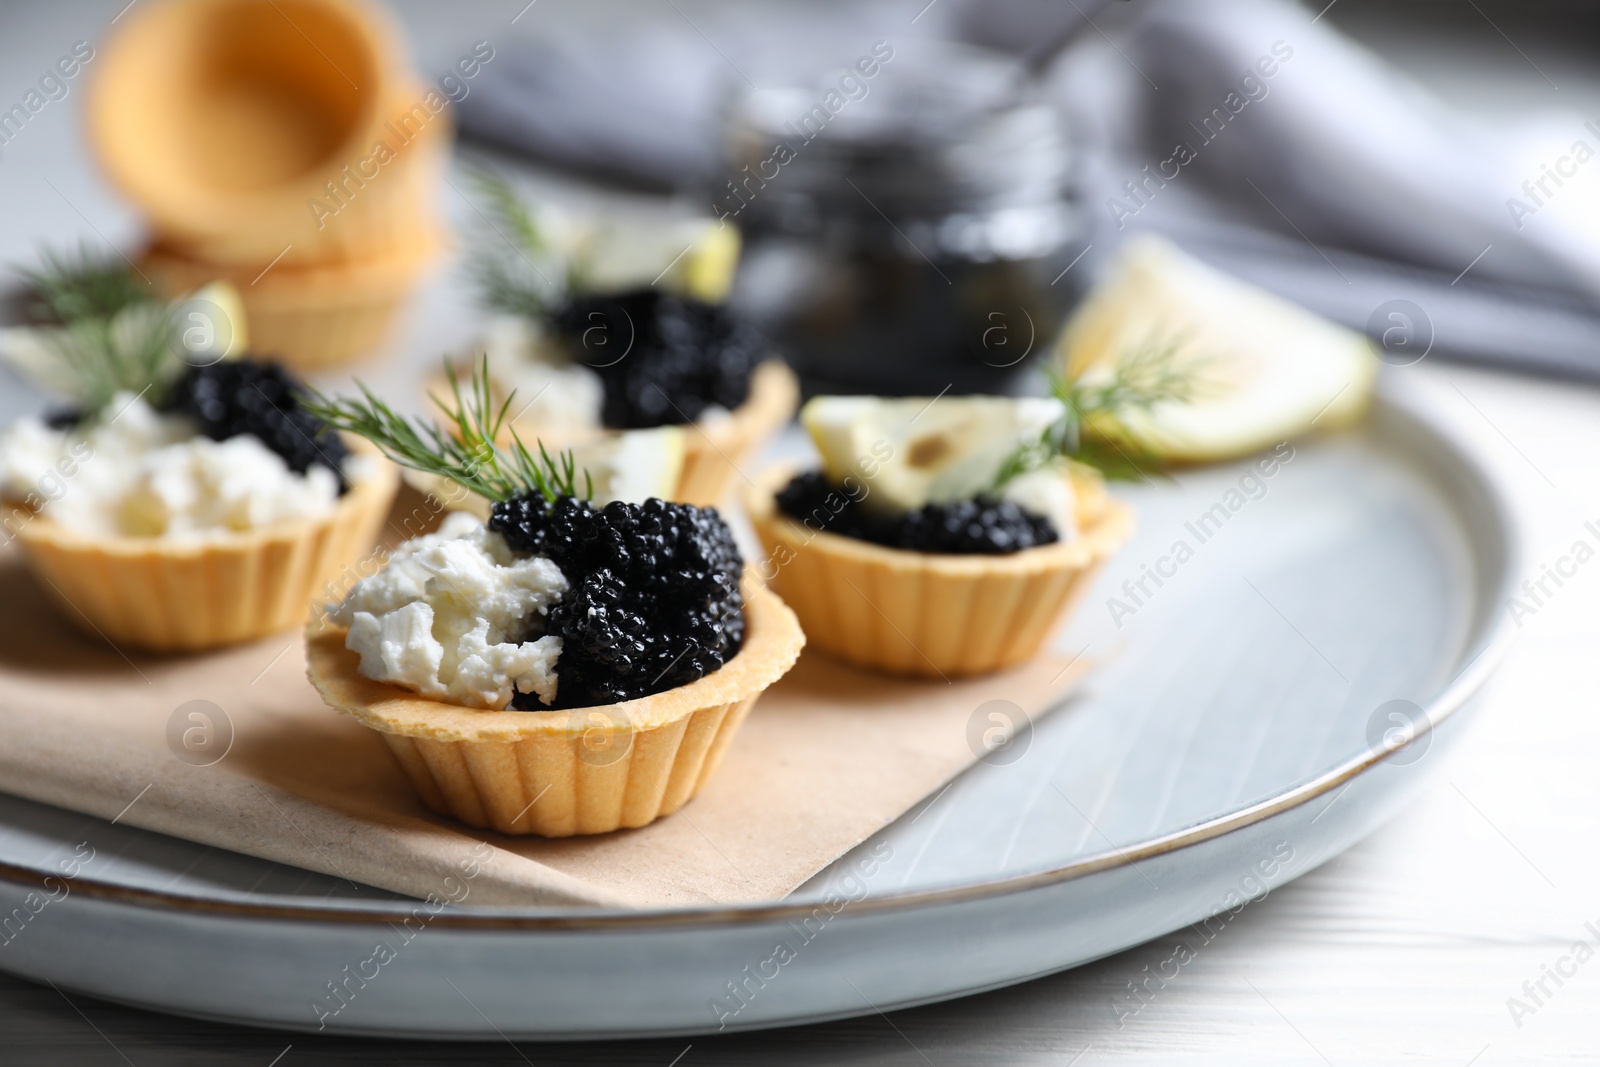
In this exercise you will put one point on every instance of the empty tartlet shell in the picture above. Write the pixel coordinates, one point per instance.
(560, 773)
(714, 451)
(916, 613)
(320, 83)
(185, 594)
(390, 217)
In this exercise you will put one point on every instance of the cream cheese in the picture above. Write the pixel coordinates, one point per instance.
(1046, 491)
(457, 616)
(559, 395)
(138, 472)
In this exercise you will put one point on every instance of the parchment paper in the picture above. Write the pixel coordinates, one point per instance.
(828, 757)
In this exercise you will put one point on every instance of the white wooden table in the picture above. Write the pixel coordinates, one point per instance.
(1408, 949)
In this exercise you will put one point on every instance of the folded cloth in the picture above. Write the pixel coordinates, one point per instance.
(637, 107)
(1231, 125)
(644, 103)
(1283, 151)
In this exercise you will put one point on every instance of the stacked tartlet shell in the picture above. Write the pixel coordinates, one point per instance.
(226, 120)
(163, 594)
(928, 615)
(313, 316)
(560, 773)
(715, 452)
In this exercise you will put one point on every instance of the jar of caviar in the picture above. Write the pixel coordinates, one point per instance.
(905, 220)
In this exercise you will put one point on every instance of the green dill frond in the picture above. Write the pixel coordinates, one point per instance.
(100, 329)
(468, 454)
(70, 286)
(1094, 430)
(1031, 455)
(1120, 461)
(1155, 372)
(515, 267)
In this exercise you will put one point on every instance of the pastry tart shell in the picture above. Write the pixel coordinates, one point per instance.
(715, 454)
(921, 614)
(560, 773)
(185, 594)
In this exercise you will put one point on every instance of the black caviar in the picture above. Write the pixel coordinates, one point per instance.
(983, 526)
(237, 396)
(653, 597)
(63, 418)
(663, 358)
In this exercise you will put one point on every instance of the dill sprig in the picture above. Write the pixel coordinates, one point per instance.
(1094, 430)
(517, 268)
(468, 454)
(70, 286)
(99, 329)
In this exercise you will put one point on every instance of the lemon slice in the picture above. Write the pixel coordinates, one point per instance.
(695, 256)
(632, 465)
(222, 300)
(1265, 369)
(911, 451)
(709, 265)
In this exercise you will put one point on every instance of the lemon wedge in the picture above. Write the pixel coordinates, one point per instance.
(694, 256)
(632, 465)
(709, 265)
(912, 451)
(1264, 369)
(215, 310)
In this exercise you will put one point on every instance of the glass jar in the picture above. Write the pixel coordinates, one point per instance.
(903, 228)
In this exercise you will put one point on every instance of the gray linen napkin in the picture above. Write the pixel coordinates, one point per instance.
(1311, 166)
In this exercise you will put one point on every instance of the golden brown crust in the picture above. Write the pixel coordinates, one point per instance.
(714, 454)
(157, 84)
(772, 644)
(918, 613)
(558, 773)
(172, 594)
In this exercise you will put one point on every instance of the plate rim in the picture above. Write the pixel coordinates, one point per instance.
(1496, 629)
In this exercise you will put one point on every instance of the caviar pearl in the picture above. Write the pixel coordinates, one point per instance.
(242, 396)
(663, 359)
(653, 601)
(982, 526)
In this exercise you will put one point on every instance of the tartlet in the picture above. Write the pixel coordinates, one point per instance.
(598, 348)
(560, 773)
(228, 122)
(184, 497)
(171, 595)
(565, 667)
(925, 614)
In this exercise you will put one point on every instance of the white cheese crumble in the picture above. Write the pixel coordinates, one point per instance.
(1048, 492)
(555, 393)
(451, 614)
(137, 472)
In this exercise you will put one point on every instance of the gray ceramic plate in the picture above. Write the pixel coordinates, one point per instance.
(1279, 694)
